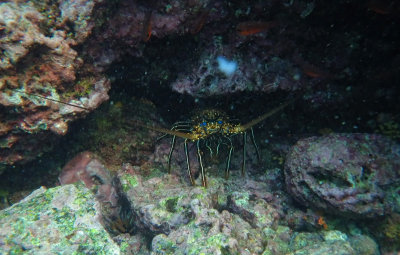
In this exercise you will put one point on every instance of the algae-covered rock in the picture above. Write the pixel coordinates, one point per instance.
(234, 216)
(211, 232)
(194, 220)
(256, 211)
(164, 204)
(352, 175)
(365, 245)
(60, 220)
(225, 218)
(39, 58)
(332, 242)
(329, 242)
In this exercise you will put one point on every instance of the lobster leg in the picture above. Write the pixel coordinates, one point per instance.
(228, 160)
(170, 152)
(188, 163)
(253, 139)
(203, 174)
(209, 148)
(244, 153)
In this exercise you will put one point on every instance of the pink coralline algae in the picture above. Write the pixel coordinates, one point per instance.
(87, 168)
(353, 175)
(84, 167)
(38, 56)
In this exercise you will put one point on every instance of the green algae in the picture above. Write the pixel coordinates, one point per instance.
(170, 204)
(124, 247)
(271, 235)
(219, 240)
(334, 235)
(243, 200)
(199, 245)
(65, 220)
(167, 208)
(49, 9)
(199, 242)
(155, 172)
(164, 246)
(128, 182)
(82, 88)
(304, 239)
(65, 214)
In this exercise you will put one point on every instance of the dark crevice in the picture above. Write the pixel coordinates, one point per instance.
(327, 178)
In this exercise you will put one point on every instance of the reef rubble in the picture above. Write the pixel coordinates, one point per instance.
(238, 216)
(154, 212)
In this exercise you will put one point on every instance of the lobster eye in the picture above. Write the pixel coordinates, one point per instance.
(203, 124)
(220, 122)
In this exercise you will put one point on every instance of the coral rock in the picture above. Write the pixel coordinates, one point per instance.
(346, 174)
(39, 57)
(84, 167)
(63, 219)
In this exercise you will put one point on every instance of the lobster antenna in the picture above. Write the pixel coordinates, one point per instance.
(51, 99)
(266, 115)
(169, 132)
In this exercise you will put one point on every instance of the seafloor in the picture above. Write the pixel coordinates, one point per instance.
(200, 127)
